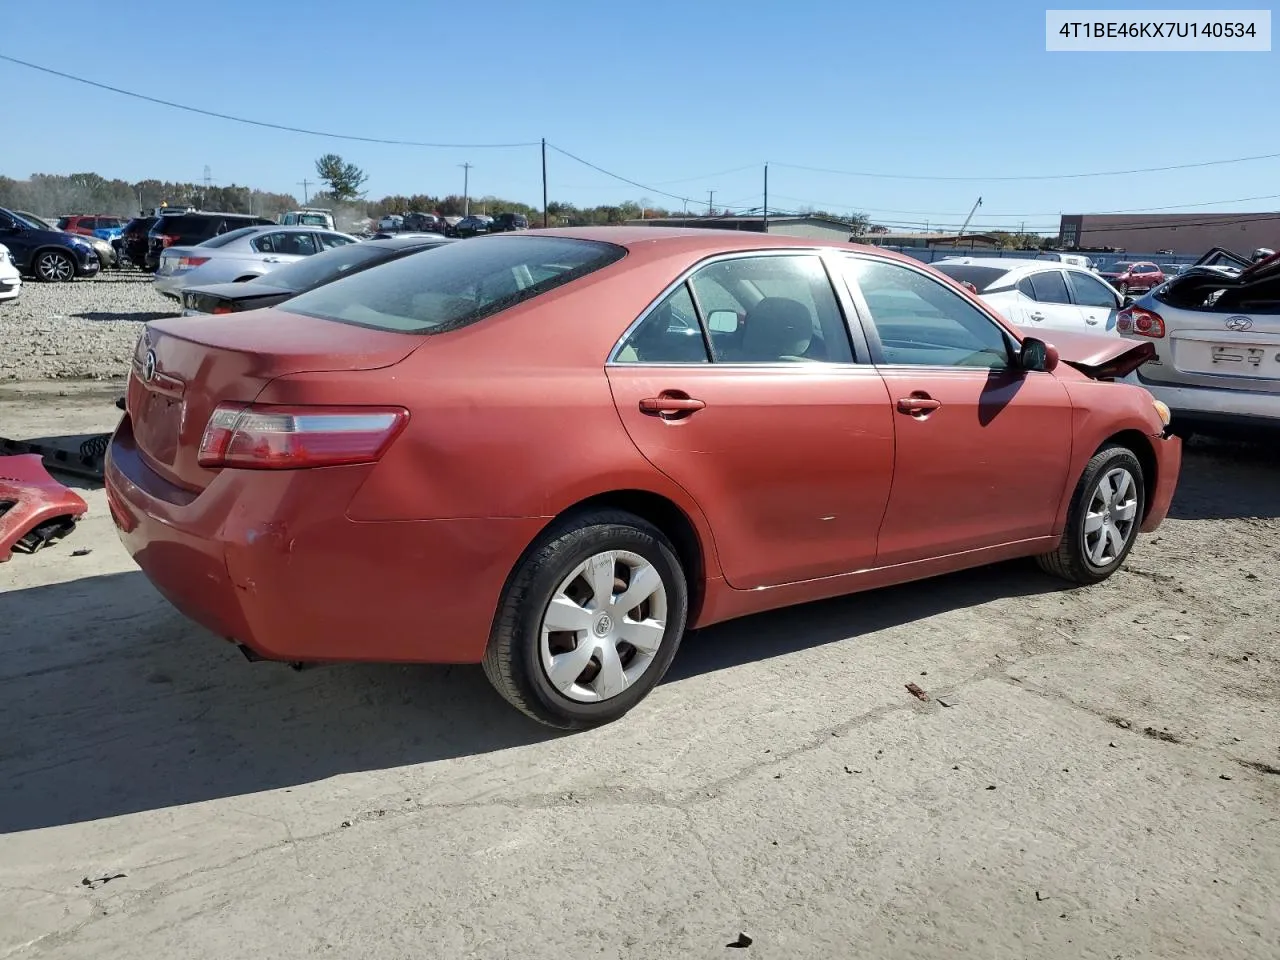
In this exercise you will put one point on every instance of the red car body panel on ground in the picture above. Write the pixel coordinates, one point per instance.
(793, 485)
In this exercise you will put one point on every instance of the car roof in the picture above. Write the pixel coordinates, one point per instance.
(1013, 265)
(408, 240)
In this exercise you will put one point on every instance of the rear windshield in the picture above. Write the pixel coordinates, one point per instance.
(230, 237)
(980, 277)
(456, 285)
(330, 265)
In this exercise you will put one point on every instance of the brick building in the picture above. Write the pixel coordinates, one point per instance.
(1189, 234)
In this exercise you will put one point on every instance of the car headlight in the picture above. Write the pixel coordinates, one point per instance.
(1162, 411)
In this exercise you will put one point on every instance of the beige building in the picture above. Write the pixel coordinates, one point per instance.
(1189, 234)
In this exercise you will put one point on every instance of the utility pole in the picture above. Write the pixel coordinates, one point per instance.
(970, 216)
(711, 195)
(766, 198)
(544, 183)
(304, 183)
(466, 188)
(204, 197)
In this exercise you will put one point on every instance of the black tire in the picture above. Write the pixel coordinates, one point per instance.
(512, 660)
(53, 266)
(1124, 289)
(1071, 561)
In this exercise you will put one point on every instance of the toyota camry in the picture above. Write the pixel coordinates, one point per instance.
(552, 452)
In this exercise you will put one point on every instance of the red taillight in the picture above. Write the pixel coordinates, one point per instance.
(222, 308)
(190, 262)
(291, 438)
(1144, 323)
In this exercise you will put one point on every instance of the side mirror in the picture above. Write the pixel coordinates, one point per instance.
(722, 321)
(1038, 355)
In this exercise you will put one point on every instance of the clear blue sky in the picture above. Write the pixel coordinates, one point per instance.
(671, 94)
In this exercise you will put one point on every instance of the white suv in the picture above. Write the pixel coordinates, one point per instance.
(1039, 294)
(10, 279)
(1217, 339)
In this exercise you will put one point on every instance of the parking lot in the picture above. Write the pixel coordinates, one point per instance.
(1096, 772)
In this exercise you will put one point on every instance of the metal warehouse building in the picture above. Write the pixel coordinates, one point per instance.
(1183, 233)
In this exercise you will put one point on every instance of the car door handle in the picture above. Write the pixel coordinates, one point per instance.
(1037, 316)
(1091, 320)
(671, 405)
(270, 259)
(918, 405)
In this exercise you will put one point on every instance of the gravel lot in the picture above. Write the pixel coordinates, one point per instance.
(84, 330)
(1103, 782)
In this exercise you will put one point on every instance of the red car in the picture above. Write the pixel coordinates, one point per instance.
(1134, 277)
(553, 451)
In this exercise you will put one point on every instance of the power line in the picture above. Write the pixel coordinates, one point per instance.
(1033, 176)
(617, 176)
(261, 123)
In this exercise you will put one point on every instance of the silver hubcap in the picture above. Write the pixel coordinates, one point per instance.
(603, 626)
(54, 266)
(1112, 516)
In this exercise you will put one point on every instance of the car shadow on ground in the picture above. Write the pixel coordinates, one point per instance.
(140, 317)
(112, 703)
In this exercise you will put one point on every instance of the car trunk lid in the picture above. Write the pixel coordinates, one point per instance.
(184, 367)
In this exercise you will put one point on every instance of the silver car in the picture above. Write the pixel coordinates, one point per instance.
(241, 255)
(1217, 340)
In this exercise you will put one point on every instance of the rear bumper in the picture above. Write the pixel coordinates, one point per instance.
(1211, 403)
(1168, 452)
(269, 559)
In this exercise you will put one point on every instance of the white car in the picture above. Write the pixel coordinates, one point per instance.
(391, 221)
(240, 255)
(10, 279)
(1217, 340)
(1039, 294)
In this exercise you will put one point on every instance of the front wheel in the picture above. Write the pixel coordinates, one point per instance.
(1124, 289)
(1102, 522)
(53, 266)
(589, 621)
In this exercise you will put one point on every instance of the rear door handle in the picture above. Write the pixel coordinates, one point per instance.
(1037, 316)
(671, 405)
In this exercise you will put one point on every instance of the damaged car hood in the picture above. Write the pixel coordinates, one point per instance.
(1100, 357)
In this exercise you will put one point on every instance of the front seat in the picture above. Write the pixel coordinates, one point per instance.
(776, 328)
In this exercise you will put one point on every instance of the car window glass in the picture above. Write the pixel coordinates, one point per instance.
(921, 322)
(225, 238)
(669, 334)
(62, 222)
(1050, 287)
(268, 242)
(331, 240)
(1024, 288)
(296, 244)
(1091, 292)
(785, 307)
(108, 223)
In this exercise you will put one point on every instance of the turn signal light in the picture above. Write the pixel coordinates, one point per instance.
(267, 437)
(1140, 322)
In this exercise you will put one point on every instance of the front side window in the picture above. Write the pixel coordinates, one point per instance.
(1049, 286)
(771, 309)
(920, 322)
(669, 334)
(457, 284)
(331, 240)
(1091, 292)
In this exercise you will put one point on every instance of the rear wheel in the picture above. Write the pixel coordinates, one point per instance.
(54, 266)
(1124, 289)
(589, 621)
(1103, 520)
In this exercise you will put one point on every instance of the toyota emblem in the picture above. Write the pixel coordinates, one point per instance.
(1239, 323)
(149, 366)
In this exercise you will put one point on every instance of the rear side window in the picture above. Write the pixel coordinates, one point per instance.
(230, 237)
(1091, 292)
(1050, 287)
(457, 284)
(980, 277)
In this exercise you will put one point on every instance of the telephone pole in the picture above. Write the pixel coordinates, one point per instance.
(766, 198)
(711, 196)
(466, 189)
(544, 183)
(304, 183)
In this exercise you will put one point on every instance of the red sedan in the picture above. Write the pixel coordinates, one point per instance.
(553, 451)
